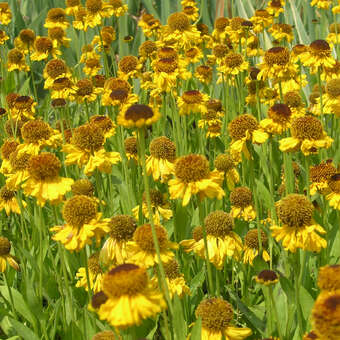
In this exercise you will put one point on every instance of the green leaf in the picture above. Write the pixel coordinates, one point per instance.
(300, 28)
(263, 192)
(180, 325)
(306, 301)
(23, 331)
(196, 330)
(197, 281)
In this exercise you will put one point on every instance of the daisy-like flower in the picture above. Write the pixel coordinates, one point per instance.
(242, 129)
(330, 97)
(159, 205)
(267, 277)
(5, 256)
(138, 115)
(278, 121)
(56, 17)
(325, 317)
(281, 32)
(36, 135)
(121, 97)
(85, 91)
(105, 39)
(80, 21)
(9, 202)
(95, 275)
(261, 20)
(3, 37)
(181, 31)
(193, 176)
(44, 182)
(322, 4)
(58, 37)
(204, 74)
(320, 175)
(86, 148)
(192, 101)
(221, 239)
(16, 61)
(8, 146)
(226, 166)
(147, 50)
(241, 200)
(334, 186)
(336, 9)
(219, 33)
(5, 13)
(174, 279)
(129, 297)
(333, 36)
(191, 11)
(121, 231)
(252, 246)
(129, 67)
(294, 101)
(298, 230)
(23, 107)
(43, 48)
(253, 46)
(96, 10)
(141, 250)
(275, 7)
(118, 7)
(63, 88)
(72, 6)
(193, 55)
(121, 92)
(17, 173)
(329, 278)
(235, 30)
(217, 315)
(55, 69)
(307, 135)
(130, 147)
(317, 55)
(105, 123)
(25, 41)
(83, 222)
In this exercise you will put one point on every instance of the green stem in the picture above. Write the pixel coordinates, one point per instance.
(10, 296)
(273, 303)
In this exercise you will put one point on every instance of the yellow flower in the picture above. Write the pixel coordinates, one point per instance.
(86, 149)
(44, 182)
(275, 7)
(129, 67)
(129, 297)
(81, 22)
(261, 20)
(105, 39)
(5, 13)
(23, 107)
(294, 101)
(216, 315)
(36, 135)
(333, 36)
(235, 30)
(334, 191)
(82, 224)
(191, 11)
(9, 202)
(85, 91)
(298, 229)
(320, 175)
(267, 277)
(95, 275)
(325, 316)
(72, 6)
(63, 88)
(55, 69)
(3, 37)
(328, 278)
(226, 165)
(194, 244)
(17, 173)
(180, 31)
(204, 74)
(130, 147)
(121, 97)
(121, 88)
(242, 129)
(16, 61)
(118, 8)
(58, 37)
(219, 33)
(8, 146)
(174, 279)
(96, 10)
(193, 176)
(307, 135)
(281, 32)
(138, 115)
(241, 204)
(232, 65)
(43, 48)
(121, 231)
(252, 246)
(193, 55)
(105, 123)
(278, 121)
(141, 250)
(5, 256)
(92, 66)
(159, 205)
(192, 101)
(56, 17)
(322, 4)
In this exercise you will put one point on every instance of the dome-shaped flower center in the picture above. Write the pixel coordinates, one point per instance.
(251, 239)
(27, 36)
(280, 113)
(219, 223)
(220, 51)
(192, 168)
(322, 172)
(216, 314)
(55, 68)
(15, 56)
(79, 210)
(329, 277)
(197, 233)
(88, 137)
(130, 145)
(82, 187)
(44, 167)
(6, 194)
(56, 33)
(98, 80)
(224, 163)
(221, 23)
(156, 197)
(171, 269)
(178, 21)
(143, 237)
(236, 23)
(167, 53)
(122, 227)
(205, 71)
(128, 64)
(295, 210)
(7, 148)
(23, 103)
(84, 87)
(56, 15)
(192, 52)
(333, 88)
(267, 276)
(240, 125)
(119, 94)
(147, 48)
(19, 162)
(62, 84)
(277, 56)
(320, 48)
(126, 279)
(94, 6)
(334, 183)
(5, 246)
(307, 127)
(241, 197)
(35, 131)
(43, 45)
(192, 97)
(167, 65)
(138, 111)
(93, 264)
(292, 99)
